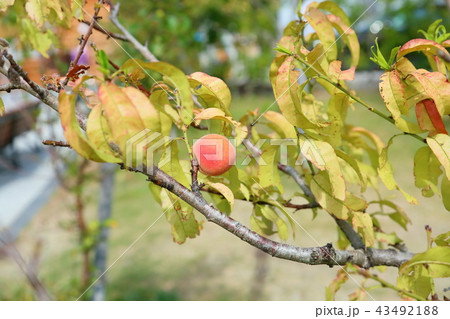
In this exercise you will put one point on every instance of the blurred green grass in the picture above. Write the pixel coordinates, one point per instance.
(216, 265)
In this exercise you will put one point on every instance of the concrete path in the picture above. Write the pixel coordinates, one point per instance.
(24, 191)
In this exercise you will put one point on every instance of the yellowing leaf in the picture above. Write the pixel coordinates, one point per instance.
(445, 190)
(282, 123)
(2, 108)
(214, 113)
(99, 134)
(121, 114)
(224, 190)
(4, 4)
(440, 145)
(436, 87)
(147, 112)
(348, 35)
(336, 74)
(37, 11)
(176, 78)
(217, 87)
(393, 94)
(321, 188)
(32, 35)
(363, 223)
(320, 23)
(322, 155)
(420, 45)
(72, 131)
(284, 78)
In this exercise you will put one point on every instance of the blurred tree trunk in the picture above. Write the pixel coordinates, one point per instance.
(259, 276)
(107, 174)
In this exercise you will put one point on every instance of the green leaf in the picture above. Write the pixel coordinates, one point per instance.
(322, 155)
(180, 217)
(35, 37)
(268, 213)
(436, 260)
(426, 171)
(443, 239)
(399, 216)
(445, 190)
(2, 108)
(386, 173)
(268, 174)
(102, 61)
(440, 145)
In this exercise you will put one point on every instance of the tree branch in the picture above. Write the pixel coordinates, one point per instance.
(109, 34)
(84, 40)
(141, 48)
(325, 255)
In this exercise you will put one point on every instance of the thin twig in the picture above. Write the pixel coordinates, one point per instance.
(109, 34)
(36, 284)
(83, 43)
(141, 48)
(56, 143)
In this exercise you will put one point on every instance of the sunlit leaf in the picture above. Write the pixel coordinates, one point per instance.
(386, 173)
(440, 145)
(363, 223)
(322, 155)
(216, 87)
(324, 30)
(426, 171)
(224, 190)
(72, 131)
(445, 191)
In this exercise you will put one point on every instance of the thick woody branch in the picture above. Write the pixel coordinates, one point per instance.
(325, 255)
(140, 47)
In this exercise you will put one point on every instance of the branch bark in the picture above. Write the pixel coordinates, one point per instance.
(141, 48)
(325, 255)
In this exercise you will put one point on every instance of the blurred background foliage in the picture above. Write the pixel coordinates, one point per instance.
(207, 35)
(394, 22)
(234, 39)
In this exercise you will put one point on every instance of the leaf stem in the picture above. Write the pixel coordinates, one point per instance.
(354, 97)
(386, 284)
